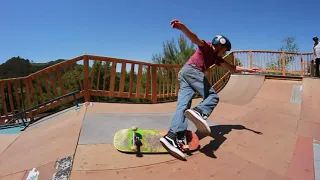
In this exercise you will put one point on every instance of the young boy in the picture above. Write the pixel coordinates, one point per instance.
(192, 78)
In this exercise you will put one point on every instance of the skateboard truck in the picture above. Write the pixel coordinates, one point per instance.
(185, 146)
(136, 143)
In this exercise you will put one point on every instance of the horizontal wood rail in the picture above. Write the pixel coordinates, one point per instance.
(107, 79)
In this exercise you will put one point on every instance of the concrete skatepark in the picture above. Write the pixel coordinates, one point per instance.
(261, 129)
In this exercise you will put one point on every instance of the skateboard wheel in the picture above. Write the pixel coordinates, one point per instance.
(186, 147)
(134, 128)
(134, 148)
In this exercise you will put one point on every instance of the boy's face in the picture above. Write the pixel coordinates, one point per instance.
(221, 51)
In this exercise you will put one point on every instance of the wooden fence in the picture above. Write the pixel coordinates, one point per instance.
(127, 80)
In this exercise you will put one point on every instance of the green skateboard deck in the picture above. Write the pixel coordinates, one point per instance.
(148, 141)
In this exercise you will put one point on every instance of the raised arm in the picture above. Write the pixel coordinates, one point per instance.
(234, 68)
(192, 36)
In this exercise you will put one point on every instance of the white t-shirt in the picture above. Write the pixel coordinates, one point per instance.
(316, 50)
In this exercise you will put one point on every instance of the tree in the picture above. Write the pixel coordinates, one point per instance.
(175, 53)
(289, 45)
(238, 62)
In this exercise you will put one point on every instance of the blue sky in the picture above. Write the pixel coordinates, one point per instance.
(48, 30)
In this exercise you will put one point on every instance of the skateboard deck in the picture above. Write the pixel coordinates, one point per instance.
(136, 140)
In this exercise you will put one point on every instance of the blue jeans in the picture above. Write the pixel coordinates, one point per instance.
(192, 80)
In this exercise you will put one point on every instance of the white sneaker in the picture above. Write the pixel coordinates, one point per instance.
(199, 120)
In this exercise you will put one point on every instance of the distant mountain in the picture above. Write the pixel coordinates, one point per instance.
(20, 67)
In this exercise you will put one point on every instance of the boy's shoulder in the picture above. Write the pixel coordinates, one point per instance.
(207, 44)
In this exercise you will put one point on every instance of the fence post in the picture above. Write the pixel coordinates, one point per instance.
(86, 78)
(283, 64)
(251, 63)
(154, 98)
(28, 97)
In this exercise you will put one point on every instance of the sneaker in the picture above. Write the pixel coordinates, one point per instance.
(171, 144)
(199, 119)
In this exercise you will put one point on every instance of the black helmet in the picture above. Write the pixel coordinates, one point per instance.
(315, 38)
(224, 41)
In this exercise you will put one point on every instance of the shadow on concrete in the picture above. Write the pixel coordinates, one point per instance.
(218, 132)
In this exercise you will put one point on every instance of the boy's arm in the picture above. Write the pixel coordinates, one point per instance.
(234, 68)
(192, 36)
(228, 66)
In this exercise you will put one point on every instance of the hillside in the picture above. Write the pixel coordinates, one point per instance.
(20, 67)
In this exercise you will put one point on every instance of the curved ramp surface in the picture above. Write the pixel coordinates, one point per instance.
(241, 89)
(262, 132)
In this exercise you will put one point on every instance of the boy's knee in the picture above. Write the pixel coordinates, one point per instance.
(184, 106)
(215, 97)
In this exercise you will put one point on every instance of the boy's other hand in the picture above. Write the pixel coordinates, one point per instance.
(254, 70)
(177, 24)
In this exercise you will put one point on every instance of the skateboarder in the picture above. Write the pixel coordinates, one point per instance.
(192, 79)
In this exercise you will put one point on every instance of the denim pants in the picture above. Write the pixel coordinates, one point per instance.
(317, 67)
(192, 80)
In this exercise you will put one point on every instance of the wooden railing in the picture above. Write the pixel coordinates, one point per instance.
(103, 78)
(275, 62)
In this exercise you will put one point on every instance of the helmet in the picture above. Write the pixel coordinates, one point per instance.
(315, 38)
(224, 41)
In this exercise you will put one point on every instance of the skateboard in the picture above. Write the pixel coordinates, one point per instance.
(136, 140)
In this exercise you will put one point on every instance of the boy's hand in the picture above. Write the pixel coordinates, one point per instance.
(193, 37)
(240, 69)
(254, 70)
(177, 24)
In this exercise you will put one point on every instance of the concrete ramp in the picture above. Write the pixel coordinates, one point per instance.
(275, 97)
(309, 123)
(310, 110)
(241, 89)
